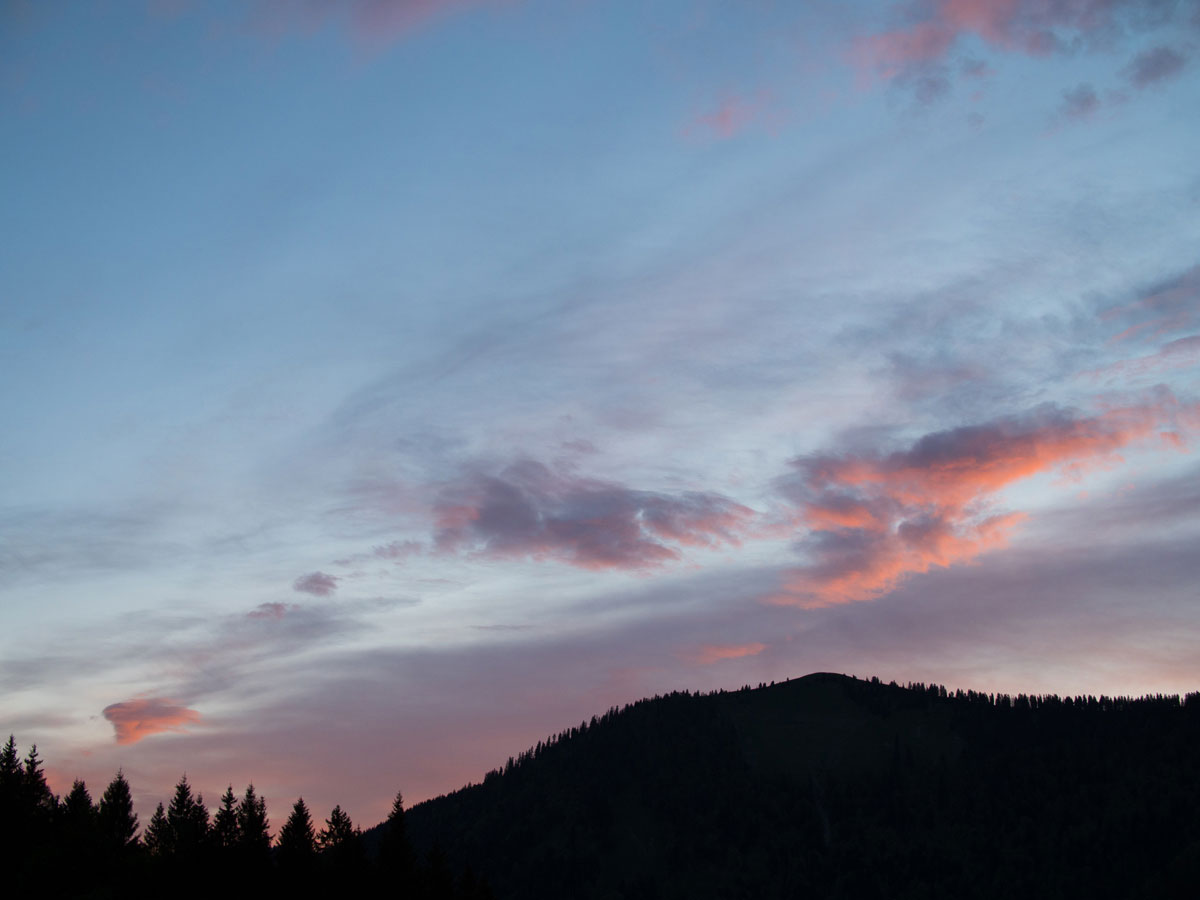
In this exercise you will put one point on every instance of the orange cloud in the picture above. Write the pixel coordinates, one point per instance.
(133, 720)
(711, 653)
(875, 519)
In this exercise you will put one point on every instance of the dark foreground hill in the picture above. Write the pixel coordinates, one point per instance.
(828, 786)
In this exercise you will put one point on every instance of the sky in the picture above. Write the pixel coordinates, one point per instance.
(389, 384)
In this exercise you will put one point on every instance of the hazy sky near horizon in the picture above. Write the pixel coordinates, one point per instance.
(388, 384)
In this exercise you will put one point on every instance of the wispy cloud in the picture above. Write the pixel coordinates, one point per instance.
(526, 510)
(133, 720)
(1181, 353)
(1168, 307)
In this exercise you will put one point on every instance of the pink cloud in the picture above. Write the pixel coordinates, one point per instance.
(529, 511)
(316, 583)
(133, 720)
(876, 519)
(733, 116)
(711, 653)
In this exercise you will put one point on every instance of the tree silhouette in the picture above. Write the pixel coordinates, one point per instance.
(255, 835)
(78, 835)
(338, 830)
(187, 824)
(11, 776)
(77, 811)
(117, 820)
(342, 850)
(297, 843)
(37, 795)
(157, 839)
(227, 830)
(397, 862)
(10, 768)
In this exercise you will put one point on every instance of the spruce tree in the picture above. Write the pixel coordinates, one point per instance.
(227, 830)
(396, 857)
(36, 792)
(297, 842)
(342, 846)
(11, 776)
(338, 832)
(118, 821)
(78, 843)
(10, 768)
(77, 806)
(157, 839)
(253, 824)
(187, 823)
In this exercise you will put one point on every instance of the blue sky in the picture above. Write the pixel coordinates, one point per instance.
(421, 377)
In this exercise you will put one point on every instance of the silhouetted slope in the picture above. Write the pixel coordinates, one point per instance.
(828, 786)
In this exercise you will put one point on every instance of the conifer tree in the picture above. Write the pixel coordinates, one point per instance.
(338, 832)
(227, 830)
(187, 822)
(396, 857)
(78, 835)
(118, 821)
(36, 792)
(10, 788)
(342, 846)
(77, 806)
(255, 835)
(157, 839)
(10, 766)
(297, 842)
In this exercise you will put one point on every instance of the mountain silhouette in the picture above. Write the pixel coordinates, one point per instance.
(834, 787)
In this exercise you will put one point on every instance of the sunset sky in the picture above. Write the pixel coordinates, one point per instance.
(387, 384)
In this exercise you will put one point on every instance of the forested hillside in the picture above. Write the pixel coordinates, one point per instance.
(827, 786)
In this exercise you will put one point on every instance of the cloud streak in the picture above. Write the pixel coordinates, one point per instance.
(713, 653)
(133, 720)
(875, 519)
